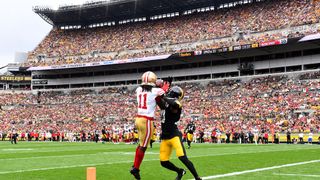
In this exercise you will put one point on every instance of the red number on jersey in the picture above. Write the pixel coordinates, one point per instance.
(142, 102)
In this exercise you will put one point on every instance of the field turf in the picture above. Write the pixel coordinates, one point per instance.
(68, 161)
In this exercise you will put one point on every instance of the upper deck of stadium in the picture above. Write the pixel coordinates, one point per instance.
(97, 12)
(78, 37)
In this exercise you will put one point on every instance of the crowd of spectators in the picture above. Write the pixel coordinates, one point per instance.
(272, 104)
(73, 46)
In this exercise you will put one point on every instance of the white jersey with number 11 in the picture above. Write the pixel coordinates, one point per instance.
(147, 101)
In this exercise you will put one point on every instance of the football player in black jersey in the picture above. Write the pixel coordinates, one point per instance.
(104, 135)
(171, 137)
(190, 129)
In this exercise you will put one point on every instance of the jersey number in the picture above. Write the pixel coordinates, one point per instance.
(142, 101)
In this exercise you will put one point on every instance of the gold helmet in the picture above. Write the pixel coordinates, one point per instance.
(176, 92)
(149, 78)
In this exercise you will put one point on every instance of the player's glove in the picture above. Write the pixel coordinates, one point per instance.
(166, 86)
(169, 79)
(167, 83)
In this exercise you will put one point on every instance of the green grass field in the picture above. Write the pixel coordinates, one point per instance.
(48, 160)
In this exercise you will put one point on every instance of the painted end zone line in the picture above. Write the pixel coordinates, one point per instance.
(260, 169)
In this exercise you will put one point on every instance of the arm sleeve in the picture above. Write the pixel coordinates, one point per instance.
(173, 102)
(160, 102)
(158, 92)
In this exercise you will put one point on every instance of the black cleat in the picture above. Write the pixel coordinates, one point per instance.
(180, 174)
(136, 173)
(198, 178)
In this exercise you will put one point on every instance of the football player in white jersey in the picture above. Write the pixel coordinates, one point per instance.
(256, 135)
(115, 134)
(147, 96)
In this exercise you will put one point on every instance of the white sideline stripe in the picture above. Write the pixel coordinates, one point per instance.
(260, 169)
(303, 175)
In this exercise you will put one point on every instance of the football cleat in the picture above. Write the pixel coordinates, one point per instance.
(136, 173)
(180, 174)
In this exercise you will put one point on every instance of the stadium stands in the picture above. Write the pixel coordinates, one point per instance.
(271, 104)
(146, 38)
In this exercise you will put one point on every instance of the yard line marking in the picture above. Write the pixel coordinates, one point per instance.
(303, 175)
(120, 162)
(64, 156)
(47, 150)
(133, 153)
(124, 153)
(72, 166)
(25, 149)
(260, 169)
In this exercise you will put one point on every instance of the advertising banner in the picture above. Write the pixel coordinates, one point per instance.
(103, 63)
(15, 78)
(273, 43)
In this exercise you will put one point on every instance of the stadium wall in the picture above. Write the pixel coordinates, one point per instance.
(209, 72)
(304, 60)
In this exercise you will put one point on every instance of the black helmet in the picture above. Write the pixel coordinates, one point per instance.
(176, 92)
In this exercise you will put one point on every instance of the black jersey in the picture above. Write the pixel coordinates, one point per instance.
(103, 131)
(169, 119)
(190, 128)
